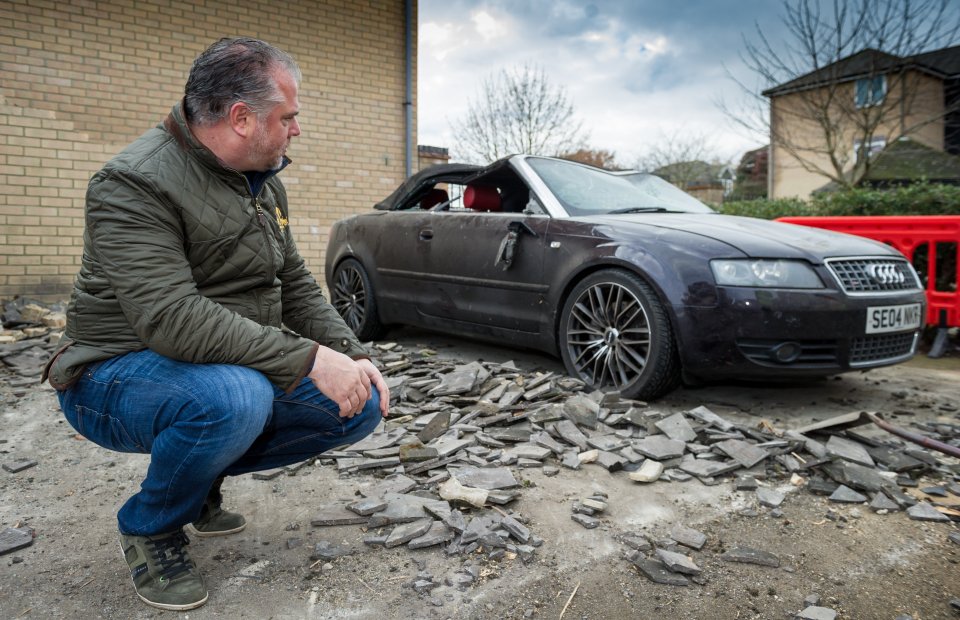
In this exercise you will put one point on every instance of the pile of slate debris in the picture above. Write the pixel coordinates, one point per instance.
(443, 466)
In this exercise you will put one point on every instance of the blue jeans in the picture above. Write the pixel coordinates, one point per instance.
(199, 422)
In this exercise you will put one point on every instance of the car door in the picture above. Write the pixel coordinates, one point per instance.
(480, 281)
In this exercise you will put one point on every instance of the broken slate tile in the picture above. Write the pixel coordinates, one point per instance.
(881, 502)
(376, 441)
(748, 555)
(746, 483)
(502, 497)
(608, 443)
(677, 428)
(12, 539)
(688, 537)
(336, 514)
(489, 478)
(582, 411)
(530, 451)
(637, 542)
(659, 447)
(741, 451)
(846, 495)
(816, 613)
(447, 445)
(394, 483)
(858, 477)
(416, 453)
(678, 562)
(478, 527)
(650, 471)
(539, 392)
(708, 417)
(819, 486)
(849, 451)
(436, 535)
(460, 381)
(515, 433)
(922, 511)
(268, 474)
(367, 506)
(406, 508)
(705, 468)
(609, 461)
(546, 441)
(516, 529)
(657, 572)
(586, 521)
(570, 460)
(455, 521)
(18, 465)
(769, 497)
(326, 550)
(437, 426)
(405, 532)
(569, 432)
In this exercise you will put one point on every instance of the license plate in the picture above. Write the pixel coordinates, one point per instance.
(882, 319)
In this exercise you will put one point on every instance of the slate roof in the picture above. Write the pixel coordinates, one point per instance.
(943, 63)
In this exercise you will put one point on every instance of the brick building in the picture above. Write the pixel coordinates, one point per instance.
(81, 79)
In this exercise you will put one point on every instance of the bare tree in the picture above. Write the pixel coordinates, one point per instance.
(517, 111)
(843, 78)
(681, 157)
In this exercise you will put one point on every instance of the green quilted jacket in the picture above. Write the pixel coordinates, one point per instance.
(181, 258)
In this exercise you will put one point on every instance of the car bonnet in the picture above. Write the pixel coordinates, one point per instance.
(755, 237)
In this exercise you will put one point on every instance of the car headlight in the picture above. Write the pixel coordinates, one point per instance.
(765, 273)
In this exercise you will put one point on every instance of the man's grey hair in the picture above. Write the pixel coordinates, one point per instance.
(234, 70)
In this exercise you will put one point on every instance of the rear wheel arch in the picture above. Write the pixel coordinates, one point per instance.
(353, 297)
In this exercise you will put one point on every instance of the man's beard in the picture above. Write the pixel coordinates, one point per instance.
(260, 151)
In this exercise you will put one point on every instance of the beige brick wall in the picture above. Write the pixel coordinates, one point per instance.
(81, 79)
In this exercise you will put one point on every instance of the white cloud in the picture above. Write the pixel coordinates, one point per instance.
(488, 27)
(439, 40)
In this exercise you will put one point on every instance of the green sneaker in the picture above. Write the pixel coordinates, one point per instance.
(213, 519)
(163, 574)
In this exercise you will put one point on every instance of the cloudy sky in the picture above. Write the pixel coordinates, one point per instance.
(635, 70)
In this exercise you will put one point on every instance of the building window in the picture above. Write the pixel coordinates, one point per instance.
(871, 91)
(870, 149)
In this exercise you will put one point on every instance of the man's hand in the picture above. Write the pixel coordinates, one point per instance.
(377, 380)
(344, 381)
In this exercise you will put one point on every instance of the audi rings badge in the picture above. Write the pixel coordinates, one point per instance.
(885, 273)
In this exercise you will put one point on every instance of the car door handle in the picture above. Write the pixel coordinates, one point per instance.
(426, 234)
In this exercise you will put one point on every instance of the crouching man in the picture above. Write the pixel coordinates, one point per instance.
(174, 345)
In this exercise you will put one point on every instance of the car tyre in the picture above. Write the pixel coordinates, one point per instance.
(615, 334)
(352, 295)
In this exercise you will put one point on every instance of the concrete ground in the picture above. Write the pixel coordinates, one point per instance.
(861, 564)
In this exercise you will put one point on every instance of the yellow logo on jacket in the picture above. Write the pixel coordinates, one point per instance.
(281, 221)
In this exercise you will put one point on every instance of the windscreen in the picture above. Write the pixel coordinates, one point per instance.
(583, 190)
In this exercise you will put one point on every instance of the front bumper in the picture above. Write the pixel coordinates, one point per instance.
(784, 333)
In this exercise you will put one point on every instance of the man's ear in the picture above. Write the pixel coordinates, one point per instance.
(241, 119)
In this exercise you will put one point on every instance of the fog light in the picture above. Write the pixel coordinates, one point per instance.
(786, 352)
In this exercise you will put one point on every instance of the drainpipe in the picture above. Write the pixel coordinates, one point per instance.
(408, 94)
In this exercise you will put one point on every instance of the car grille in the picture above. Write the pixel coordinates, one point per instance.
(813, 353)
(873, 275)
(881, 347)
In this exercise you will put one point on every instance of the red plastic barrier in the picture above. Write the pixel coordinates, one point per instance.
(909, 233)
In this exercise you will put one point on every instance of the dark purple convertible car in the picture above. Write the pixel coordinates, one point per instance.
(634, 283)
